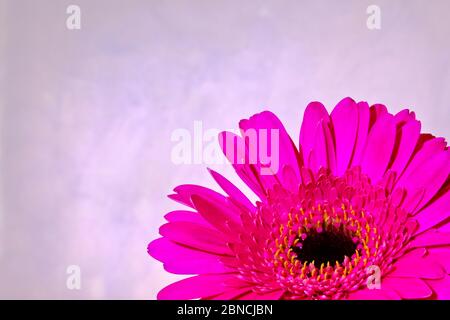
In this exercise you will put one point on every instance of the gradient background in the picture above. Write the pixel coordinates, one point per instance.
(87, 115)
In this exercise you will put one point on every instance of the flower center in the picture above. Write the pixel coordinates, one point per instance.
(328, 246)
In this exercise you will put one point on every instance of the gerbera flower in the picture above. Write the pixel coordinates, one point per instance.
(365, 195)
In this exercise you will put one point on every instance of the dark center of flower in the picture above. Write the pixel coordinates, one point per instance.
(325, 246)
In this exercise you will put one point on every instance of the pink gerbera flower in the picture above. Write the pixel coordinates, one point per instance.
(359, 211)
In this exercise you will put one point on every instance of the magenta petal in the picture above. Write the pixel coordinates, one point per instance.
(430, 177)
(183, 194)
(315, 112)
(187, 216)
(323, 154)
(409, 135)
(431, 238)
(374, 294)
(195, 235)
(286, 150)
(221, 217)
(441, 256)
(404, 116)
(408, 288)
(444, 227)
(345, 124)
(182, 260)
(377, 111)
(230, 294)
(362, 133)
(274, 295)
(233, 147)
(380, 143)
(195, 287)
(424, 266)
(234, 193)
(441, 288)
(435, 213)
(424, 152)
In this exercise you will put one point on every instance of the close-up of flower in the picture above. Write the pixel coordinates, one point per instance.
(363, 194)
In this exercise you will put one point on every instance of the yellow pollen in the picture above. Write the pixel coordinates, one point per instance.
(277, 253)
(293, 259)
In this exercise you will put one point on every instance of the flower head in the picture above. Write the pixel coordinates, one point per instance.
(359, 210)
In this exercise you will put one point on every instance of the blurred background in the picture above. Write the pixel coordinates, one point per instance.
(86, 115)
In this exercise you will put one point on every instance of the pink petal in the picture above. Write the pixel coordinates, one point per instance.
(230, 295)
(441, 256)
(408, 288)
(431, 238)
(345, 124)
(195, 287)
(274, 295)
(363, 131)
(441, 288)
(404, 116)
(374, 294)
(264, 124)
(182, 260)
(435, 213)
(290, 181)
(234, 193)
(380, 143)
(323, 151)
(408, 135)
(377, 111)
(196, 236)
(184, 193)
(187, 216)
(430, 177)
(425, 150)
(416, 264)
(221, 217)
(234, 149)
(315, 112)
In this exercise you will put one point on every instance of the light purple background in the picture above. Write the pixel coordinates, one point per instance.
(87, 116)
